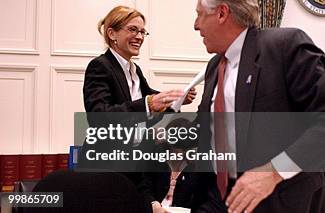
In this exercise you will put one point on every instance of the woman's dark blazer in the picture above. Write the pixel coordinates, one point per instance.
(106, 89)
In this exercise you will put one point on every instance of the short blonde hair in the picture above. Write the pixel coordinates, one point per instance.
(116, 19)
(245, 12)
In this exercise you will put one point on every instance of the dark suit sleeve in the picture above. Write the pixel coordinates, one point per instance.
(103, 93)
(305, 74)
(206, 196)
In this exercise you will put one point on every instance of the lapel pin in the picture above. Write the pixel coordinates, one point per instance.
(249, 79)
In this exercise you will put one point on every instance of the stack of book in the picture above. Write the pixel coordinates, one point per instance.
(16, 168)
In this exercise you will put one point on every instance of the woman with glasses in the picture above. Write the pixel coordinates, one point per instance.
(114, 83)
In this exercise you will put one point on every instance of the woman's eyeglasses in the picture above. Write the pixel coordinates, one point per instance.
(135, 31)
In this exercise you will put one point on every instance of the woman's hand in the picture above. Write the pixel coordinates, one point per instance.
(157, 208)
(190, 96)
(163, 100)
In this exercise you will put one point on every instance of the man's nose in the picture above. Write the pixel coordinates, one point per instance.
(196, 25)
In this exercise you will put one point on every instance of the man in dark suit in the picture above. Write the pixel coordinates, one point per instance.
(272, 70)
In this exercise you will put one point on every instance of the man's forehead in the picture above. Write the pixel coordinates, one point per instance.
(199, 7)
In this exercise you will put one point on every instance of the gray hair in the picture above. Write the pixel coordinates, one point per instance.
(245, 12)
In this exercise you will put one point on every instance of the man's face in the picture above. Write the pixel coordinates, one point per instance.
(209, 28)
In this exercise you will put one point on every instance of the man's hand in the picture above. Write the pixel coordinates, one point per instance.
(251, 188)
(190, 96)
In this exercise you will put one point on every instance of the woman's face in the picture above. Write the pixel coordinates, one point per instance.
(130, 38)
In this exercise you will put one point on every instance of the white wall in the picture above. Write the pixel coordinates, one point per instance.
(45, 46)
(297, 16)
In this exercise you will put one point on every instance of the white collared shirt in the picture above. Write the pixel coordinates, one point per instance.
(129, 70)
(233, 55)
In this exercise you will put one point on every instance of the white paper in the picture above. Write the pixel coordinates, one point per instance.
(178, 210)
(197, 79)
(165, 203)
(178, 103)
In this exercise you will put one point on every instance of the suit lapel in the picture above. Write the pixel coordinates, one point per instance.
(119, 73)
(247, 74)
(143, 83)
(246, 87)
(211, 77)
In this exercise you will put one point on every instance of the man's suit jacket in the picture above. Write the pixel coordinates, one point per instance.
(287, 74)
(106, 89)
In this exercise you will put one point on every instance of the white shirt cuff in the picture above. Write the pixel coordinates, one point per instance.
(285, 166)
(149, 114)
(146, 103)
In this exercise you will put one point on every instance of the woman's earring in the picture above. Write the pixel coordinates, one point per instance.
(115, 41)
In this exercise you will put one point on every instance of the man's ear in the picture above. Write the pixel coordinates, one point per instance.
(223, 12)
(111, 34)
